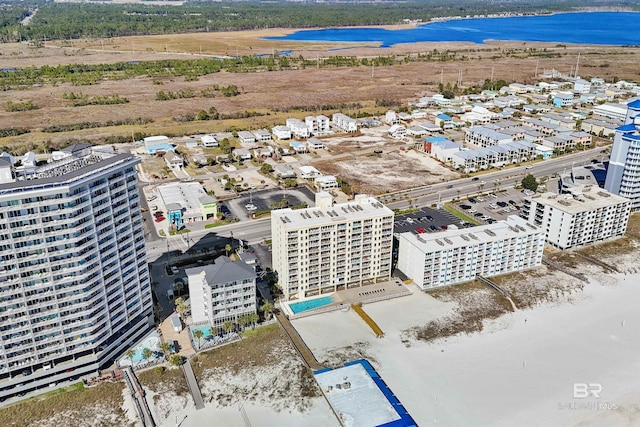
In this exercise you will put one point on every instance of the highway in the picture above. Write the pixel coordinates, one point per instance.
(254, 231)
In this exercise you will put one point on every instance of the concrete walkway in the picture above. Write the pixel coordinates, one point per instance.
(193, 385)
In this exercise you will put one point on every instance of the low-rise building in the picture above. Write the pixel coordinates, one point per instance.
(242, 154)
(315, 144)
(246, 137)
(173, 160)
(299, 129)
(281, 132)
(221, 292)
(284, 171)
(576, 219)
(441, 148)
(209, 141)
(459, 255)
(344, 123)
(309, 172)
(187, 202)
(326, 183)
(155, 144)
(397, 132)
(262, 135)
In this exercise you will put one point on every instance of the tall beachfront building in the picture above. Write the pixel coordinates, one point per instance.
(623, 174)
(459, 255)
(331, 247)
(74, 282)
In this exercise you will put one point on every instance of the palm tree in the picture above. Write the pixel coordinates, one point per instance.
(228, 326)
(267, 309)
(181, 307)
(179, 285)
(147, 353)
(165, 348)
(214, 330)
(198, 334)
(130, 354)
(175, 360)
(253, 319)
(227, 248)
(243, 321)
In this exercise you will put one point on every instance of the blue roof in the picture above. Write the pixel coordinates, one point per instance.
(634, 104)
(436, 139)
(627, 128)
(444, 117)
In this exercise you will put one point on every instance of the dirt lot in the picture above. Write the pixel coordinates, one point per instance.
(390, 171)
(508, 60)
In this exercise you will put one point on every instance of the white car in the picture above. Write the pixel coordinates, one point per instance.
(251, 207)
(175, 269)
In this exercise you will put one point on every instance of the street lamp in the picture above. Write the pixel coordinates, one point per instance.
(231, 234)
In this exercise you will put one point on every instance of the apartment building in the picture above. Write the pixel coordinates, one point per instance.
(318, 125)
(485, 137)
(577, 219)
(623, 174)
(459, 255)
(74, 283)
(222, 291)
(331, 247)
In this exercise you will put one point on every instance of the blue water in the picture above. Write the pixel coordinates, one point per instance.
(610, 28)
(299, 307)
(206, 330)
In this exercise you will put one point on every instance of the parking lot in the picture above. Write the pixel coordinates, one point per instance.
(492, 207)
(264, 200)
(426, 220)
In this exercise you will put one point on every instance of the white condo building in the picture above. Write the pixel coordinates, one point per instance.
(579, 219)
(623, 173)
(459, 255)
(74, 282)
(222, 291)
(331, 247)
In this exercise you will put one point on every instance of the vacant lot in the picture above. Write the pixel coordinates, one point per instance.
(391, 171)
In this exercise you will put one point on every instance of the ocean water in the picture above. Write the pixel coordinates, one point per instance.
(607, 28)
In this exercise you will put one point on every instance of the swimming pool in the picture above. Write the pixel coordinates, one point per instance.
(299, 307)
(152, 342)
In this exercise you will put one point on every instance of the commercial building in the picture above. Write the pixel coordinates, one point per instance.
(74, 282)
(331, 247)
(577, 219)
(187, 202)
(459, 255)
(623, 174)
(222, 291)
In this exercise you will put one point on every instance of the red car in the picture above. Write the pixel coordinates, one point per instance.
(421, 230)
(159, 219)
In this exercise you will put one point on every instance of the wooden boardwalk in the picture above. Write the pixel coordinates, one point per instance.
(368, 320)
(192, 384)
(298, 343)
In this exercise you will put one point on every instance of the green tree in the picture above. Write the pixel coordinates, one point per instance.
(179, 286)
(198, 335)
(243, 321)
(175, 360)
(228, 326)
(266, 168)
(130, 354)
(267, 309)
(147, 353)
(530, 183)
(165, 348)
(214, 330)
(227, 248)
(253, 319)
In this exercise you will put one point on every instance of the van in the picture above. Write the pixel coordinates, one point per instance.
(170, 294)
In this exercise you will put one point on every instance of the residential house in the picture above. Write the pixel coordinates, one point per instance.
(581, 86)
(309, 172)
(391, 118)
(344, 123)
(318, 125)
(418, 131)
(563, 99)
(173, 160)
(281, 132)
(444, 121)
(283, 171)
(156, 144)
(441, 149)
(191, 143)
(262, 135)
(242, 154)
(263, 152)
(315, 144)
(484, 137)
(299, 147)
(299, 129)
(209, 141)
(326, 183)
(397, 132)
(246, 137)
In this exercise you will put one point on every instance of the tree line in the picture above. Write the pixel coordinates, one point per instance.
(72, 20)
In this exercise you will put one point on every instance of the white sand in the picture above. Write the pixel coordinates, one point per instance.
(515, 372)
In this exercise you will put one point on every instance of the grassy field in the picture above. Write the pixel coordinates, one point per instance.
(71, 406)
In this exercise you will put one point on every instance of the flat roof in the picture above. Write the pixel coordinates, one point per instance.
(360, 397)
(188, 195)
(363, 208)
(591, 198)
(512, 226)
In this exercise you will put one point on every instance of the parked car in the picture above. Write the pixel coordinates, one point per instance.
(159, 219)
(472, 200)
(174, 269)
(433, 228)
(511, 202)
(478, 214)
(158, 213)
(465, 207)
(429, 218)
(475, 178)
(443, 227)
(420, 230)
(502, 204)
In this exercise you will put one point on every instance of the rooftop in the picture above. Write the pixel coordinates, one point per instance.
(362, 208)
(188, 195)
(592, 198)
(513, 226)
(223, 270)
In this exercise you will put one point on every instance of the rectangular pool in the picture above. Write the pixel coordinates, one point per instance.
(299, 307)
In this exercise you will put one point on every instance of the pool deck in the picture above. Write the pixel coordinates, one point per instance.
(364, 294)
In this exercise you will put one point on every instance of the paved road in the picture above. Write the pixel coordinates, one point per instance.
(255, 231)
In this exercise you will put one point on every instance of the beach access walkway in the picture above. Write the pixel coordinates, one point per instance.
(298, 343)
(192, 384)
(368, 320)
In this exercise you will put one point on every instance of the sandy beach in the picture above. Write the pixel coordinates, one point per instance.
(520, 370)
